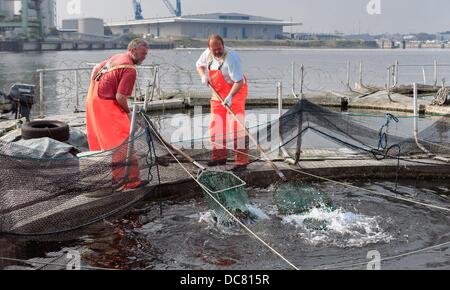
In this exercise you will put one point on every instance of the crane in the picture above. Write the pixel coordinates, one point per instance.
(175, 11)
(137, 10)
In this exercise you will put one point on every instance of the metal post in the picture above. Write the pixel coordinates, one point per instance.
(302, 70)
(397, 65)
(280, 98)
(283, 150)
(388, 81)
(41, 95)
(77, 102)
(416, 119)
(435, 73)
(293, 78)
(131, 141)
(396, 73)
(148, 98)
(424, 76)
(416, 115)
(361, 74)
(159, 82)
(156, 72)
(348, 74)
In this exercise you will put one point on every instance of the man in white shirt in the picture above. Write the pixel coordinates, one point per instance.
(220, 67)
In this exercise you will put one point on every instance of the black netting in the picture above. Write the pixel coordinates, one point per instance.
(46, 196)
(351, 132)
(43, 196)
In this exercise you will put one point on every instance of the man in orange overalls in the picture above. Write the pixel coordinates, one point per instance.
(108, 119)
(221, 68)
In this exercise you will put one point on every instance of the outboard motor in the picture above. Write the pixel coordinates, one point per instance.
(19, 101)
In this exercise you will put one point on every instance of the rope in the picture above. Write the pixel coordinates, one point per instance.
(223, 207)
(383, 143)
(327, 267)
(372, 191)
(355, 187)
(152, 160)
(441, 97)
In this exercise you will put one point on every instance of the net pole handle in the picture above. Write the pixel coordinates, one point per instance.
(250, 136)
(131, 141)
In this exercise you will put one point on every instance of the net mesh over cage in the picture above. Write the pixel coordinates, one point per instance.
(360, 134)
(43, 196)
(40, 196)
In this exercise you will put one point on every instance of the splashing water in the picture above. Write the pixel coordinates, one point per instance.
(211, 220)
(339, 228)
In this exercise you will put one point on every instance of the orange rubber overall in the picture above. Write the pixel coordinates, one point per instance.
(224, 128)
(108, 127)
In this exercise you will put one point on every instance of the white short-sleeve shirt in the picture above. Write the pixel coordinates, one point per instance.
(231, 69)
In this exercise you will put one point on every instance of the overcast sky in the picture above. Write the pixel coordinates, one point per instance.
(319, 16)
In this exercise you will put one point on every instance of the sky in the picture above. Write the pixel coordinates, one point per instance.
(317, 16)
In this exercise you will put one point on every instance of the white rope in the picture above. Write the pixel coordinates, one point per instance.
(223, 207)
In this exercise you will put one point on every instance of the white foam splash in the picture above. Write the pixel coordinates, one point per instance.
(207, 218)
(259, 213)
(343, 229)
(233, 228)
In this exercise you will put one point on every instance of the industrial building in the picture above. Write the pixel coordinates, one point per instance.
(229, 25)
(87, 26)
(36, 19)
(443, 36)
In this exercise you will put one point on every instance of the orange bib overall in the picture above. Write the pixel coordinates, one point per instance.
(108, 127)
(223, 127)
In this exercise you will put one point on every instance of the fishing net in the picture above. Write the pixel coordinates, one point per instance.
(375, 136)
(40, 196)
(51, 195)
(296, 197)
(229, 191)
(310, 132)
(224, 191)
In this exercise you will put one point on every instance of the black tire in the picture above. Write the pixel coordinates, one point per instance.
(39, 129)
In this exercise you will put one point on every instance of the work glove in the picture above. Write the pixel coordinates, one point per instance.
(205, 80)
(228, 101)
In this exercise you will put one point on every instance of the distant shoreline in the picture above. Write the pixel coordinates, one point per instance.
(32, 46)
(333, 44)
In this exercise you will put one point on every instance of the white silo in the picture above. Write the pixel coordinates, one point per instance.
(93, 26)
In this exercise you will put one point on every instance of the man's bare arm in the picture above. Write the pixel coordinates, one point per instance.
(236, 87)
(123, 102)
(201, 70)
